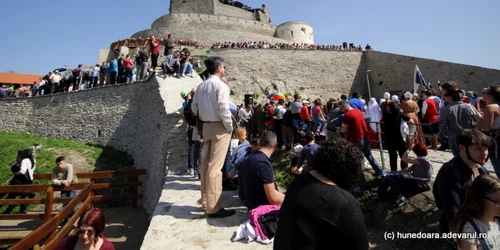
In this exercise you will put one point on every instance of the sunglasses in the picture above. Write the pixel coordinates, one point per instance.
(485, 91)
(89, 232)
(497, 203)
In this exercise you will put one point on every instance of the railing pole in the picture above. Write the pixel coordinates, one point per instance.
(380, 146)
(92, 193)
(49, 205)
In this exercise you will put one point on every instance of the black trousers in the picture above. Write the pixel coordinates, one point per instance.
(154, 61)
(394, 148)
(279, 132)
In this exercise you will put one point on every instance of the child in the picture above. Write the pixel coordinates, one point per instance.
(18, 179)
(295, 159)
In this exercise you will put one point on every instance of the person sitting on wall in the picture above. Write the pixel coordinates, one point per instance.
(171, 64)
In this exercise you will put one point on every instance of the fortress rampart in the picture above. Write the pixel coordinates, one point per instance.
(210, 29)
(209, 21)
(118, 116)
(325, 74)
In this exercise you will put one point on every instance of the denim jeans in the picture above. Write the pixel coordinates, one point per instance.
(400, 186)
(452, 143)
(187, 68)
(67, 194)
(496, 164)
(364, 146)
(320, 125)
(194, 151)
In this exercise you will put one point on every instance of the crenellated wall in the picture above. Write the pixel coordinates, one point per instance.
(226, 10)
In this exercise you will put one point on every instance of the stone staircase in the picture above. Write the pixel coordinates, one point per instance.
(177, 145)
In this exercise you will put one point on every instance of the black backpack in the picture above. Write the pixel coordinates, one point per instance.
(189, 115)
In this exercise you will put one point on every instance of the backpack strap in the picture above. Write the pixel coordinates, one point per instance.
(482, 241)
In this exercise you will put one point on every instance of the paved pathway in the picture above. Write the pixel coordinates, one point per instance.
(179, 222)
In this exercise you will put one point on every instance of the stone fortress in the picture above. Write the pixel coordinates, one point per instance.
(210, 21)
(143, 118)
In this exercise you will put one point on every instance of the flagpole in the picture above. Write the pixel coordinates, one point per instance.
(368, 83)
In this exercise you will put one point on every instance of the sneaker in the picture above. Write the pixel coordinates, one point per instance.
(183, 75)
(191, 75)
(191, 171)
(401, 202)
(316, 133)
(322, 134)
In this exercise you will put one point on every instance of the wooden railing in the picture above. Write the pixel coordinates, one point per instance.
(86, 196)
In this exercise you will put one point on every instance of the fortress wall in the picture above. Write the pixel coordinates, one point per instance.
(143, 33)
(117, 116)
(313, 74)
(396, 72)
(178, 22)
(210, 29)
(192, 6)
(226, 10)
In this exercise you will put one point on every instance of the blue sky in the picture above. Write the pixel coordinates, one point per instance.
(39, 36)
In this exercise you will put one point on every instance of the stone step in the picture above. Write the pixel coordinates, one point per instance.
(171, 87)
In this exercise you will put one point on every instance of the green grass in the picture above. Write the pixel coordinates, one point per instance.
(282, 174)
(86, 157)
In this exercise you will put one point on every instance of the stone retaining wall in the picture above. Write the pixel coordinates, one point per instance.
(311, 73)
(129, 117)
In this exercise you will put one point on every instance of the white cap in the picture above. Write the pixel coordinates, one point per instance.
(395, 98)
(382, 100)
(407, 95)
(305, 102)
(297, 148)
(387, 95)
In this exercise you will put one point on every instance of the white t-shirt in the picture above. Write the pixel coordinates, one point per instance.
(26, 166)
(55, 78)
(492, 229)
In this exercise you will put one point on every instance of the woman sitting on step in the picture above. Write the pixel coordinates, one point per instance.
(409, 181)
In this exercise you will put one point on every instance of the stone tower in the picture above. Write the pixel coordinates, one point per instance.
(192, 6)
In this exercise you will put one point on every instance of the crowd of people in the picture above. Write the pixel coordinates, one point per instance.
(267, 45)
(227, 140)
(125, 69)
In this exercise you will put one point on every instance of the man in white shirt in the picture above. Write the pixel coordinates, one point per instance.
(211, 104)
(55, 80)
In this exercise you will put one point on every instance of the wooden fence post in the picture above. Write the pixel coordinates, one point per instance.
(91, 194)
(135, 191)
(49, 206)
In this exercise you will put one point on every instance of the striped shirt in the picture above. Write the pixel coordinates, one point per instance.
(211, 102)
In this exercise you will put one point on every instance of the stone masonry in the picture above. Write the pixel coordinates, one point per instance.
(313, 74)
(326, 74)
(140, 118)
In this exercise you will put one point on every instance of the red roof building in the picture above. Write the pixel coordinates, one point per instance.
(15, 78)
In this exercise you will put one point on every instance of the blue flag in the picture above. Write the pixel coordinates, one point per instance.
(419, 80)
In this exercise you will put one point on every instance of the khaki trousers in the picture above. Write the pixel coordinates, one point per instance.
(215, 144)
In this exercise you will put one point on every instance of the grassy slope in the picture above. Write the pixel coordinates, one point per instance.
(91, 156)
